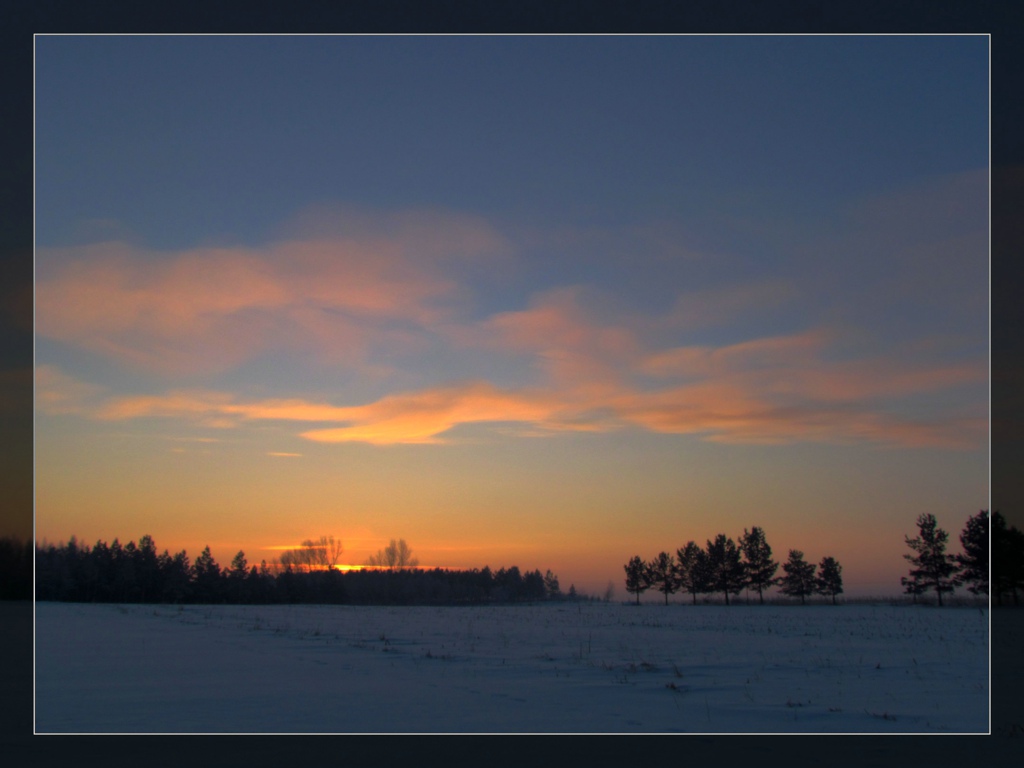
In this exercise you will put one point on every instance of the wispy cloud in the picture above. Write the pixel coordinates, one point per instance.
(773, 390)
(208, 309)
(339, 286)
(730, 413)
(563, 334)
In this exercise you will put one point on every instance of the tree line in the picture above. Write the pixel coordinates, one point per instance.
(728, 567)
(135, 573)
(934, 570)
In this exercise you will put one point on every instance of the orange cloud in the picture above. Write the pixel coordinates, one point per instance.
(735, 407)
(569, 343)
(192, 404)
(417, 417)
(773, 389)
(725, 413)
(208, 309)
(420, 417)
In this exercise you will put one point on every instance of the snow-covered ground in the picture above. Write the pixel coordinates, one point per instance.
(562, 668)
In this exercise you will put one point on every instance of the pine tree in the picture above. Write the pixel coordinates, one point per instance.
(830, 578)
(692, 570)
(551, 586)
(146, 569)
(932, 567)
(725, 569)
(799, 578)
(758, 564)
(974, 560)
(664, 573)
(638, 576)
(206, 575)
(239, 566)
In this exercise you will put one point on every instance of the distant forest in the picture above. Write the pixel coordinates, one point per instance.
(135, 573)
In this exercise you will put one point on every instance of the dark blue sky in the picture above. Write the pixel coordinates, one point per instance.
(181, 139)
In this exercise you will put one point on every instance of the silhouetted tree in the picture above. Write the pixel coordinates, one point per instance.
(830, 578)
(798, 580)
(239, 566)
(758, 564)
(238, 579)
(147, 571)
(725, 569)
(664, 574)
(932, 567)
(396, 554)
(312, 555)
(974, 561)
(508, 584)
(533, 587)
(638, 576)
(206, 578)
(176, 577)
(103, 577)
(692, 570)
(122, 571)
(551, 585)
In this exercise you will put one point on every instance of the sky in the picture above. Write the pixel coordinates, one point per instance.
(537, 300)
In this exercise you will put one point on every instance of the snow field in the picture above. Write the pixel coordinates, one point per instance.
(548, 668)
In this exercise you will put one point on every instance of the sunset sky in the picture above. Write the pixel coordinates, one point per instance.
(544, 301)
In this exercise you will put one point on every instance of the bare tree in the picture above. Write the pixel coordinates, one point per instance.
(397, 554)
(313, 555)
